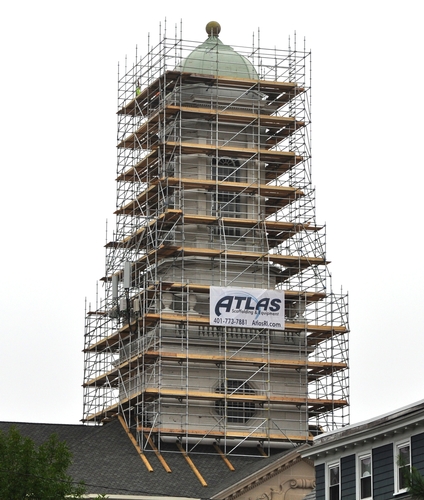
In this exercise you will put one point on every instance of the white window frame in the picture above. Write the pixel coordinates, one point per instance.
(328, 478)
(396, 454)
(359, 476)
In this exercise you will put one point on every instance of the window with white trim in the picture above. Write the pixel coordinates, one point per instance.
(402, 465)
(334, 482)
(365, 476)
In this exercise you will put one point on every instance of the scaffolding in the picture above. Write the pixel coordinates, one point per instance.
(214, 189)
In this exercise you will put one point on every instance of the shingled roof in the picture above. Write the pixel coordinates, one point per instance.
(106, 460)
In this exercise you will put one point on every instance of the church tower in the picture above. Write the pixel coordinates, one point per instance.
(218, 323)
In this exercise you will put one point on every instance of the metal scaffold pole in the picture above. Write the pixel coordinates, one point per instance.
(214, 190)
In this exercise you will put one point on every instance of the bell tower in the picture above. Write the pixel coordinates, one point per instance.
(214, 196)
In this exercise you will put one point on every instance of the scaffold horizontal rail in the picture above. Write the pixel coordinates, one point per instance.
(278, 231)
(293, 264)
(201, 288)
(153, 393)
(218, 434)
(169, 79)
(280, 126)
(317, 333)
(214, 190)
(314, 369)
(279, 196)
(147, 166)
(196, 287)
(285, 160)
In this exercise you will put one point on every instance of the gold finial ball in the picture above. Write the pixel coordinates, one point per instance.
(213, 28)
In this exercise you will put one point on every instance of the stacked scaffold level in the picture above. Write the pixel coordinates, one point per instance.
(218, 324)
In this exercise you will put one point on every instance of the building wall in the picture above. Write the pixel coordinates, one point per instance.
(292, 483)
(383, 471)
(320, 481)
(214, 189)
(417, 451)
(170, 413)
(347, 468)
(210, 379)
(384, 467)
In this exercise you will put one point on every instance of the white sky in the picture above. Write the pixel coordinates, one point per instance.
(58, 133)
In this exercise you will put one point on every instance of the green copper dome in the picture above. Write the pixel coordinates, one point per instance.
(213, 57)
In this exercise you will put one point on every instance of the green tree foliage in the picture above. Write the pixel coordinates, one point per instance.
(35, 472)
(414, 482)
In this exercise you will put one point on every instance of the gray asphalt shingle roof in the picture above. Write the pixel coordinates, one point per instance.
(106, 460)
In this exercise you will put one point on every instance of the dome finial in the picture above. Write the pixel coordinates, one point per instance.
(213, 28)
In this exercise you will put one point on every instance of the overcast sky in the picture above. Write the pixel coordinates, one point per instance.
(58, 134)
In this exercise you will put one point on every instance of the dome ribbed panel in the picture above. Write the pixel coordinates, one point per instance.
(212, 57)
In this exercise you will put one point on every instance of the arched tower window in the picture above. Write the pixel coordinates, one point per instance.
(238, 412)
(225, 169)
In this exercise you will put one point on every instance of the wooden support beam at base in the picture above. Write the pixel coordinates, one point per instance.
(134, 442)
(261, 450)
(221, 453)
(157, 453)
(191, 464)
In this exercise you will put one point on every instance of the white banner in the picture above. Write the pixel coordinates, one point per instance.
(246, 307)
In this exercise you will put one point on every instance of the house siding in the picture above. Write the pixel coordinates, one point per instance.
(381, 438)
(320, 482)
(417, 452)
(383, 472)
(348, 477)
